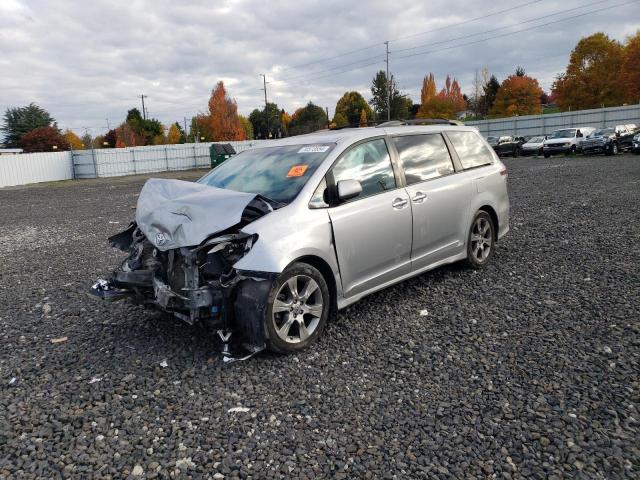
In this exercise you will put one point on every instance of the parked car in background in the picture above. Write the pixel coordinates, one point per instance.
(533, 146)
(565, 141)
(508, 145)
(276, 239)
(493, 141)
(636, 143)
(610, 140)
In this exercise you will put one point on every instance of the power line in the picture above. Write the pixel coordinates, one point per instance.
(377, 45)
(499, 28)
(516, 31)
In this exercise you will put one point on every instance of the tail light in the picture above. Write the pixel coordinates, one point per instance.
(503, 172)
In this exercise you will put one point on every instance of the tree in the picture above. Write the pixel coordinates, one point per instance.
(630, 71)
(400, 104)
(350, 107)
(363, 118)
(21, 120)
(111, 139)
(490, 90)
(518, 95)
(73, 140)
(44, 139)
(222, 123)
(258, 119)
(98, 141)
(148, 129)
(285, 120)
(175, 135)
(308, 119)
(87, 140)
(339, 121)
(247, 127)
(445, 104)
(520, 71)
(592, 78)
(126, 136)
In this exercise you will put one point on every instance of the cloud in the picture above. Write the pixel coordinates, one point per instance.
(88, 62)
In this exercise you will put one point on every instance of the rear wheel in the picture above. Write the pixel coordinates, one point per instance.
(481, 240)
(613, 149)
(297, 310)
(547, 155)
(571, 151)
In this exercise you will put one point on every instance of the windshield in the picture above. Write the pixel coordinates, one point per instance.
(604, 131)
(566, 133)
(278, 173)
(536, 140)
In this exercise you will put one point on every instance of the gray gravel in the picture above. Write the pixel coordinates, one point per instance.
(528, 369)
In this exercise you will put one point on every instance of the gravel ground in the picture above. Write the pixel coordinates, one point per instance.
(528, 369)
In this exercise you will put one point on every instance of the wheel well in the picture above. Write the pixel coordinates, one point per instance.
(494, 218)
(324, 268)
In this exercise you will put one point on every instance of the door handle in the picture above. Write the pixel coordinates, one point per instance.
(399, 203)
(419, 197)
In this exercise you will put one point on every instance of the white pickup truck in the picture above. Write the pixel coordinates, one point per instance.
(565, 140)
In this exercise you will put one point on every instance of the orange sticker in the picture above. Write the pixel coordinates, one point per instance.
(297, 170)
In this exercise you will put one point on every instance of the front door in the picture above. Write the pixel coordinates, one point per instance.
(373, 230)
(439, 198)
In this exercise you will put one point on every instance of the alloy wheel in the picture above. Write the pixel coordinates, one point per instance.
(297, 309)
(481, 239)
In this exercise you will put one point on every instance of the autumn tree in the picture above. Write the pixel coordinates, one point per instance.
(339, 121)
(222, 121)
(73, 140)
(147, 128)
(285, 120)
(87, 140)
(363, 118)
(111, 139)
(630, 70)
(44, 139)
(308, 119)
(19, 121)
(518, 95)
(445, 104)
(247, 127)
(174, 135)
(592, 78)
(126, 136)
(350, 107)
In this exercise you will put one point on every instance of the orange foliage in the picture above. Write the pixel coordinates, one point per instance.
(445, 104)
(222, 122)
(630, 74)
(518, 95)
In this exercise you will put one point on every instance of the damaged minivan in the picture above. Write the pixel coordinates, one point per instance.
(275, 240)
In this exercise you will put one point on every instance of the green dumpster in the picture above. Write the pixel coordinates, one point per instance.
(219, 152)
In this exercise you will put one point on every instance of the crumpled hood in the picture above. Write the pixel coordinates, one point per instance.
(175, 213)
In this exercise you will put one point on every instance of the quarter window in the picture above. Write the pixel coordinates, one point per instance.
(423, 157)
(370, 164)
(471, 150)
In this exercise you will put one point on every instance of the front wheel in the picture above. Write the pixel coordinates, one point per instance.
(481, 240)
(571, 151)
(516, 153)
(298, 308)
(613, 149)
(547, 155)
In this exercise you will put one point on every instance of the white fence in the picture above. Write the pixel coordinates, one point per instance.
(113, 162)
(545, 124)
(35, 167)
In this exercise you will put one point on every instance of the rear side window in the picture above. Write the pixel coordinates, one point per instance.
(370, 164)
(423, 157)
(471, 149)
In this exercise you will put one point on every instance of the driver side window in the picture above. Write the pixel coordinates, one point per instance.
(370, 164)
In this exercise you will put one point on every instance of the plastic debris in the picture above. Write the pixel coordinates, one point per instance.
(424, 313)
(164, 363)
(95, 380)
(13, 381)
(227, 358)
(238, 410)
(59, 340)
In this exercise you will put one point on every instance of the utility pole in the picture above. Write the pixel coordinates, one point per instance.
(475, 100)
(388, 83)
(108, 126)
(266, 110)
(328, 124)
(144, 112)
(185, 129)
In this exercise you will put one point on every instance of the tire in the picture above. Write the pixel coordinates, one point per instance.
(516, 153)
(571, 151)
(613, 149)
(547, 155)
(540, 152)
(287, 309)
(482, 230)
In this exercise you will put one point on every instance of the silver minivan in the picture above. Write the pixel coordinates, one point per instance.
(272, 242)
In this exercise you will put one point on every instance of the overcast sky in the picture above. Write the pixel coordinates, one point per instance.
(88, 61)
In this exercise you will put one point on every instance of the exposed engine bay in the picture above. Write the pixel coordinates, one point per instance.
(172, 264)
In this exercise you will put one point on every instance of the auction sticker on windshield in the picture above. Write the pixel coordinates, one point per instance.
(314, 149)
(297, 170)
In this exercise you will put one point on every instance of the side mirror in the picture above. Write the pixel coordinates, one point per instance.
(348, 189)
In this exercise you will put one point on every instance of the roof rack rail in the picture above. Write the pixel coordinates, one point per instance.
(419, 121)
